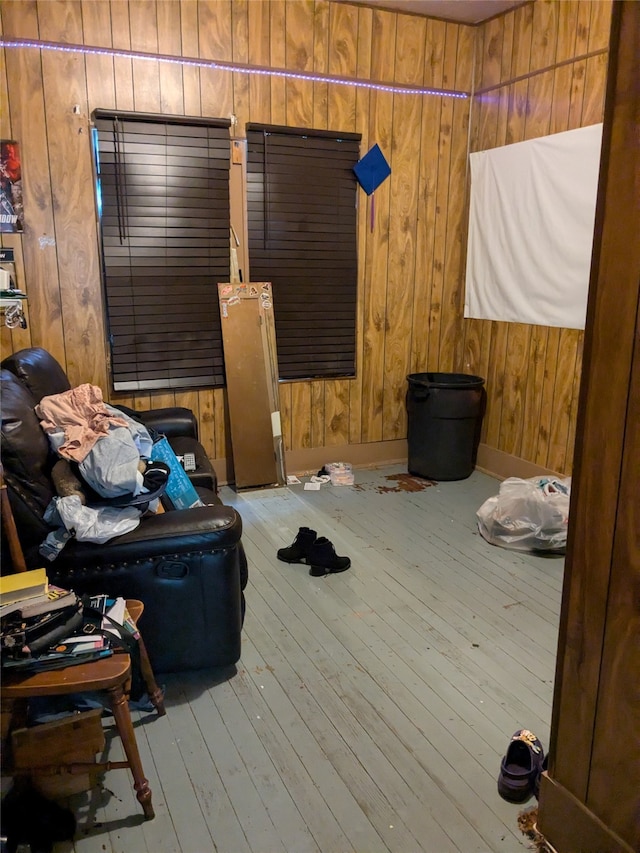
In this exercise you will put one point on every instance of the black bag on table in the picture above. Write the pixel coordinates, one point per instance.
(22, 638)
(27, 645)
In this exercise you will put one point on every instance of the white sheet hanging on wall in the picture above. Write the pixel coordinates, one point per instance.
(531, 229)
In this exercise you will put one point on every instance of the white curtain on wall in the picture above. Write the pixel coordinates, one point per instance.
(531, 229)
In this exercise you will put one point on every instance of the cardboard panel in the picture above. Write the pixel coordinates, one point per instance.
(248, 336)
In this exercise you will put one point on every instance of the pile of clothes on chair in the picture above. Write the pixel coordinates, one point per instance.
(187, 565)
(106, 477)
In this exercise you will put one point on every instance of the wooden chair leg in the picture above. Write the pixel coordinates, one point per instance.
(121, 714)
(155, 693)
(135, 609)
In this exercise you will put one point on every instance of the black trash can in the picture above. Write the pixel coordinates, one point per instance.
(444, 416)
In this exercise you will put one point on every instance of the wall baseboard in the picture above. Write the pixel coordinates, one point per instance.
(309, 460)
(224, 471)
(501, 465)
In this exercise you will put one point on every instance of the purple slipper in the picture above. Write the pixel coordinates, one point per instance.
(520, 767)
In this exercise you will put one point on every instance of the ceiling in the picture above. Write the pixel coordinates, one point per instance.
(464, 11)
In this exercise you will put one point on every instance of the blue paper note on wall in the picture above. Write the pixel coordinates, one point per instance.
(180, 490)
(372, 169)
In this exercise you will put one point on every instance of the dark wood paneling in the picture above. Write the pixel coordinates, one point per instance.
(533, 372)
(407, 115)
(574, 827)
(616, 750)
(410, 266)
(595, 747)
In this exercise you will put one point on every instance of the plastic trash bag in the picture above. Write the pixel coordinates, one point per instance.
(527, 515)
(92, 524)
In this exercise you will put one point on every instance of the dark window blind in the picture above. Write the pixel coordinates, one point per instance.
(163, 189)
(301, 200)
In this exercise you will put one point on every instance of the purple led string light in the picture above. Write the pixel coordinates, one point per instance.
(232, 66)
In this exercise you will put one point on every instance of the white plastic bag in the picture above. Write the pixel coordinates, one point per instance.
(96, 524)
(527, 515)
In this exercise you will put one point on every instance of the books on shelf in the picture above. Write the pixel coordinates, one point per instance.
(96, 636)
(22, 585)
(53, 660)
(53, 599)
(80, 644)
(116, 610)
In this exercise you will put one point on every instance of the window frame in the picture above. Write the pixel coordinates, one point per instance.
(315, 305)
(138, 359)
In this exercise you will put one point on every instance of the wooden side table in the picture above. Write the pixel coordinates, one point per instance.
(112, 675)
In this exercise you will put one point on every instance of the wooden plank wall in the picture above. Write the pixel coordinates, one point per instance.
(410, 275)
(589, 801)
(411, 267)
(533, 372)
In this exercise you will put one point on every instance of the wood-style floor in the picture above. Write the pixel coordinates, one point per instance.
(370, 709)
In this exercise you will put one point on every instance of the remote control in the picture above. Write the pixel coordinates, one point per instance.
(189, 462)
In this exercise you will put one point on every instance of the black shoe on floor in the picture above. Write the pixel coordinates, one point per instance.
(298, 551)
(520, 767)
(323, 559)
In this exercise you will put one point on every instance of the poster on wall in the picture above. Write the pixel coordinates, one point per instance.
(531, 219)
(11, 208)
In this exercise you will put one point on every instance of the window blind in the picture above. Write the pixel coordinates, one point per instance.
(301, 201)
(163, 199)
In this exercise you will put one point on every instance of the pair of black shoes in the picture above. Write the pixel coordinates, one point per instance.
(315, 551)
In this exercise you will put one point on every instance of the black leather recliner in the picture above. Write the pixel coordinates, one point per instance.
(187, 566)
(43, 375)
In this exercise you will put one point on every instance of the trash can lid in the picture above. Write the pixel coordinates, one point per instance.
(463, 381)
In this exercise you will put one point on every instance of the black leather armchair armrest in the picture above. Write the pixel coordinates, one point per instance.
(206, 529)
(189, 569)
(181, 428)
(174, 422)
